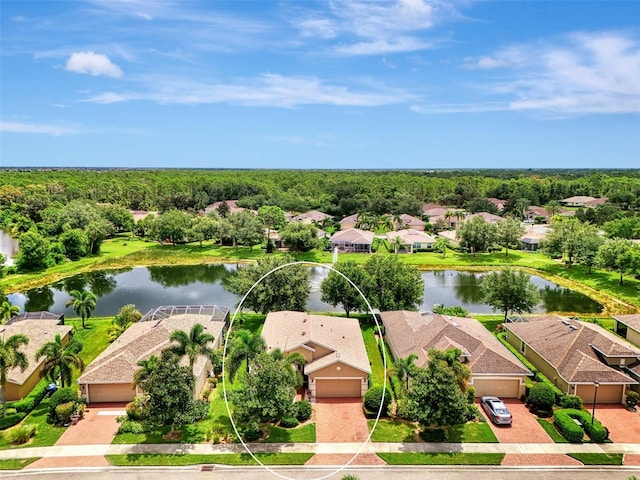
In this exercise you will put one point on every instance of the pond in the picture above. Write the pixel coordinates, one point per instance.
(149, 287)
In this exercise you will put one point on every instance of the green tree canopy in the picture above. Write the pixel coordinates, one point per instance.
(336, 290)
(476, 234)
(193, 344)
(247, 229)
(33, 253)
(285, 289)
(8, 311)
(173, 225)
(393, 285)
(243, 348)
(509, 290)
(300, 237)
(60, 359)
(127, 315)
(508, 233)
(619, 255)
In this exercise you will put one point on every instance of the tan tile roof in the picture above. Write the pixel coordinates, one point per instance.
(410, 236)
(435, 211)
(489, 217)
(311, 216)
(353, 235)
(412, 332)
(631, 321)
(350, 219)
(410, 221)
(119, 361)
(39, 332)
(573, 347)
(288, 330)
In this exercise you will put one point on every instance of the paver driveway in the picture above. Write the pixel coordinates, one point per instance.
(340, 420)
(524, 428)
(623, 425)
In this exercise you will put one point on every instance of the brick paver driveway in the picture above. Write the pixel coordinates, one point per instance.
(524, 428)
(623, 425)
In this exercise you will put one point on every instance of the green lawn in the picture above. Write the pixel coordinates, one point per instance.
(46, 434)
(442, 458)
(472, 432)
(375, 357)
(552, 431)
(16, 464)
(393, 431)
(139, 460)
(302, 434)
(598, 458)
(94, 337)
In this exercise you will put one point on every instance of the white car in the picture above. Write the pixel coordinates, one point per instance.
(496, 410)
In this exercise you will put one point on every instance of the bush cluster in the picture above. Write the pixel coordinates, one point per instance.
(571, 401)
(374, 397)
(21, 434)
(302, 410)
(60, 398)
(131, 427)
(34, 398)
(542, 396)
(289, 422)
(11, 420)
(135, 411)
(564, 420)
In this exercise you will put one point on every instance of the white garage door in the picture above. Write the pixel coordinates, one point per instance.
(503, 388)
(338, 388)
(113, 392)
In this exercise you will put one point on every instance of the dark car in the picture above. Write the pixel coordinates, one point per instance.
(496, 410)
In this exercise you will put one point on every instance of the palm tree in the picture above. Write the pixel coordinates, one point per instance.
(386, 222)
(553, 208)
(60, 359)
(83, 302)
(397, 244)
(147, 367)
(125, 317)
(194, 344)
(448, 216)
(8, 311)
(521, 205)
(459, 215)
(404, 368)
(245, 346)
(11, 357)
(442, 244)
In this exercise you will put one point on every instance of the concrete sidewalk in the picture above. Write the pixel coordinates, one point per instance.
(321, 448)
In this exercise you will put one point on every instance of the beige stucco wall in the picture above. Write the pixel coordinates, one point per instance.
(18, 392)
(633, 336)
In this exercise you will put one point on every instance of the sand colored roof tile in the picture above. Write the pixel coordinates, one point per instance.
(119, 361)
(38, 331)
(311, 216)
(350, 219)
(353, 235)
(408, 221)
(631, 321)
(288, 330)
(434, 210)
(414, 333)
(574, 348)
(410, 236)
(488, 217)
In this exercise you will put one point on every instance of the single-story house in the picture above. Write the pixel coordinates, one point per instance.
(451, 236)
(575, 355)
(488, 217)
(349, 222)
(336, 358)
(583, 201)
(494, 369)
(352, 240)
(312, 216)
(232, 204)
(628, 326)
(39, 328)
(407, 221)
(433, 210)
(109, 378)
(530, 241)
(498, 203)
(413, 240)
(141, 214)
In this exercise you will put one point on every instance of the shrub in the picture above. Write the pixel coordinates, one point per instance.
(34, 398)
(471, 395)
(473, 413)
(10, 411)
(60, 397)
(135, 411)
(632, 399)
(571, 401)
(251, 431)
(20, 434)
(303, 410)
(213, 381)
(542, 396)
(289, 422)
(374, 397)
(567, 427)
(596, 432)
(64, 411)
(11, 420)
(435, 435)
(131, 427)
(349, 477)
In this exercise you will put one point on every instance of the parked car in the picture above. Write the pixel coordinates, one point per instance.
(496, 410)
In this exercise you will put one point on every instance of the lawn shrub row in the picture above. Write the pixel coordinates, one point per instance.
(564, 420)
(11, 420)
(32, 400)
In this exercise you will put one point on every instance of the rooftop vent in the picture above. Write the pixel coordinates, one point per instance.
(566, 322)
(573, 327)
(304, 333)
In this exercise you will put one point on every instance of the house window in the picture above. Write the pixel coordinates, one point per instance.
(523, 346)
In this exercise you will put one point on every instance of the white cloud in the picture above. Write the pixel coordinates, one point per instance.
(93, 64)
(383, 46)
(53, 130)
(271, 90)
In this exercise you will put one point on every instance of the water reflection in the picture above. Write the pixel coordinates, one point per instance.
(148, 288)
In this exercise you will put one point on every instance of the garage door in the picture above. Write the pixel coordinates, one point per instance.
(338, 388)
(606, 393)
(503, 388)
(116, 392)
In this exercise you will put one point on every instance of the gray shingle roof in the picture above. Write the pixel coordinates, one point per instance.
(573, 348)
(412, 332)
(288, 330)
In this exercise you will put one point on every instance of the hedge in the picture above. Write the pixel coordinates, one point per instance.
(564, 420)
(32, 400)
(11, 420)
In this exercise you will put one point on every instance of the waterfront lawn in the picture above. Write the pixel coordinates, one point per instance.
(16, 463)
(598, 458)
(174, 460)
(442, 458)
(375, 357)
(93, 337)
(393, 431)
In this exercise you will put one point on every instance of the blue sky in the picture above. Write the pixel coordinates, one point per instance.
(320, 84)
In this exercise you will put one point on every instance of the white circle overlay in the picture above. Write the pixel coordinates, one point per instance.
(224, 355)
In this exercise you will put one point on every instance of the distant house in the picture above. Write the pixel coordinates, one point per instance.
(336, 359)
(531, 239)
(430, 210)
(488, 217)
(534, 212)
(451, 236)
(349, 222)
(312, 216)
(628, 326)
(109, 378)
(40, 328)
(583, 201)
(574, 355)
(413, 240)
(494, 369)
(498, 203)
(232, 204)
(407, 221)
(141, 214)
(352, 240)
